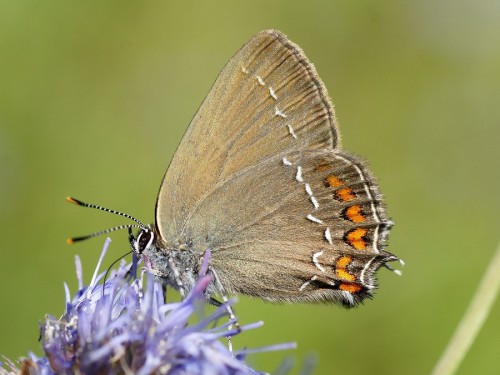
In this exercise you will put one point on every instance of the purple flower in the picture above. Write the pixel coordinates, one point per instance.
(124, 326)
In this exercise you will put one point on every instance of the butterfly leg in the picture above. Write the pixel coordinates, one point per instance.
(229, 309)
(164, 291)
(215, 302)
(177, 277)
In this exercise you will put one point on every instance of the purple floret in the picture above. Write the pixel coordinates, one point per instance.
(129, 329)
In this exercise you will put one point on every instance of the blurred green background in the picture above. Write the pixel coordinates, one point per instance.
(96, 95)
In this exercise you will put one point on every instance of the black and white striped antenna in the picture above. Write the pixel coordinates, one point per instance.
(139, 224)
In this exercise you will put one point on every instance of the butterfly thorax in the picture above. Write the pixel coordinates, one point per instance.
(163, 261)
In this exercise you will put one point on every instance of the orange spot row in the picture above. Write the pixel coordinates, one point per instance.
(356, 239)
(345, 194)
(322, 167)
(350, 287)
(343, 262)
(333, 182)
(341, 269)
(342, 272)
(354, 214)
(344, 275)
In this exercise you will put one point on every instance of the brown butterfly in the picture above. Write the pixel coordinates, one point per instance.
(261, 181)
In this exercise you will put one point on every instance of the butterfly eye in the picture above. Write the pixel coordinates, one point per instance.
(144, 240)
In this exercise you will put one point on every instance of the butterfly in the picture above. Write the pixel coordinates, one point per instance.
(261, 181)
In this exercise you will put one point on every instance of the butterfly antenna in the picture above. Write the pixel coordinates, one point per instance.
(139, 224)
(80, 203)
(101, 232)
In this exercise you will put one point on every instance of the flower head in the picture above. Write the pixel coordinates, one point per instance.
(124, 326)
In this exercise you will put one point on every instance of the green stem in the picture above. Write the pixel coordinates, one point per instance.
(473, 319)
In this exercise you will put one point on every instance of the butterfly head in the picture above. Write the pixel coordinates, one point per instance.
(177, 265)
(143, 241)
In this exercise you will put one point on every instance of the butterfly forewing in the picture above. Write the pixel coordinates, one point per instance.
(266, 101)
